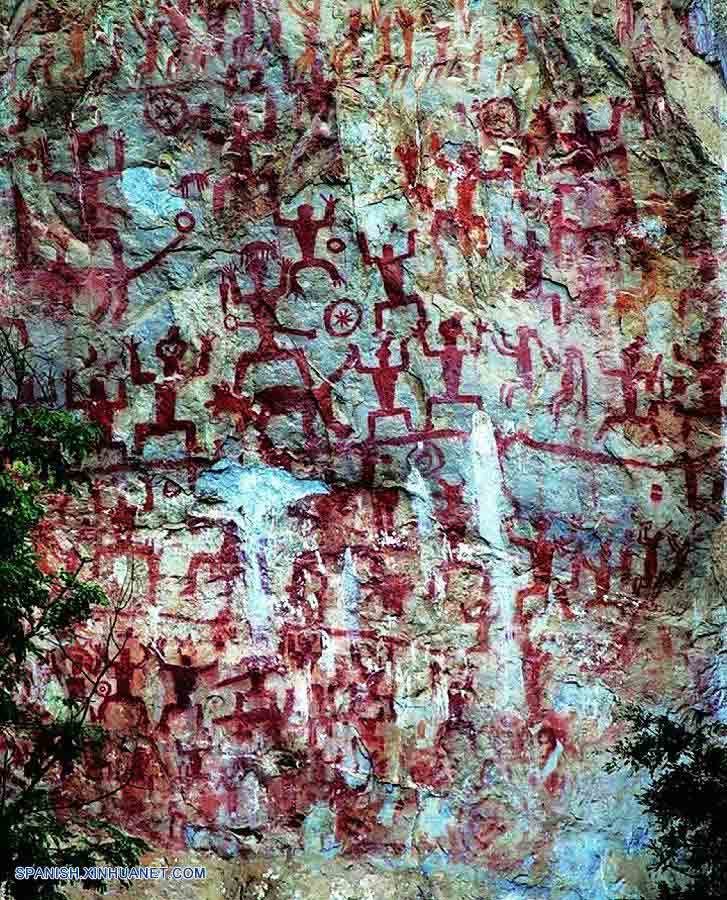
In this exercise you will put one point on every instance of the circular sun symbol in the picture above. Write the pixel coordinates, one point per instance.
(499, 117)
(185, 221)
(232, 323)
(426, 457)
(166, 111)
(342, 317)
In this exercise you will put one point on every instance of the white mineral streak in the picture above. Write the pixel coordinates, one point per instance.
(256, 498)
(349, 592)
(421, 501)
(492, 509)
(327, 662)
(717, 690)
(551, 763)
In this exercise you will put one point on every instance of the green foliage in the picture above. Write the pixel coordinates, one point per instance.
(44, 444)
(686, 799)
(41, 748)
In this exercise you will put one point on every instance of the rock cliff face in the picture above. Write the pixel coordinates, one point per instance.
(403, 322)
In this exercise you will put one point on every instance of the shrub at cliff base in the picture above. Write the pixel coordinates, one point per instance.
(686, 799)
(46, 741)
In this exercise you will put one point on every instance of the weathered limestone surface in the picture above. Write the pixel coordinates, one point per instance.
(404, 325)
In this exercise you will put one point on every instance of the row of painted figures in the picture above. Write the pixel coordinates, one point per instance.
(568, 566)
(654, 394)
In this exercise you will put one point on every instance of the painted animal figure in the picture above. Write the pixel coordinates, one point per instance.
(197, 180)
(282, 400)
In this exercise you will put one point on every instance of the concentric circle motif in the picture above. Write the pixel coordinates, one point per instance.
(499, 117)
(335, 245)
(185, 222)
(427, 458)
(166, 111)
(232, 323)
(342, 317)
